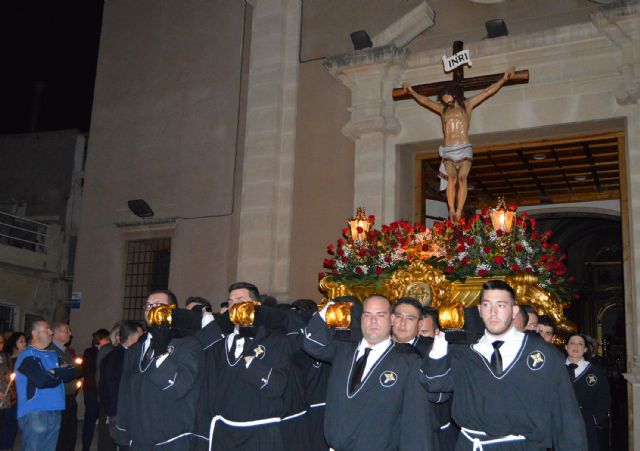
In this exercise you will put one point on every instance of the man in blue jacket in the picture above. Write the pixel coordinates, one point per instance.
(40, 378)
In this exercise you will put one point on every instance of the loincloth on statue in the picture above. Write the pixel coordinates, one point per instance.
(455, 153)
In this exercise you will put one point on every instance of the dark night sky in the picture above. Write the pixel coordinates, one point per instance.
(53, 42)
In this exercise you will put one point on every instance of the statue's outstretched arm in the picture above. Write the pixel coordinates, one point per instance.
(423, 100)
(489, 91)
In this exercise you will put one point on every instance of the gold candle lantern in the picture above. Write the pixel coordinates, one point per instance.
(160, 314)
(243, 313)
(359, 225)
(501, 217)
(451, 317)
(339, 315)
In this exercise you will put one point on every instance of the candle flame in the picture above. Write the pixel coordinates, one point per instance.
(78, 384)
(78, 361)
(13, 376)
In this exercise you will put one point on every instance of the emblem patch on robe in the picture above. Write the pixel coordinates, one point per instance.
(259, 351)
(388, 379)
(535, 361)
(592, 379)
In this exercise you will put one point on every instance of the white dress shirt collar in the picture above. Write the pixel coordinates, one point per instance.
(374, 355)
(582, 365)
(509, 350)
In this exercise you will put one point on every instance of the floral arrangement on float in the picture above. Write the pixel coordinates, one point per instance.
(492, 243)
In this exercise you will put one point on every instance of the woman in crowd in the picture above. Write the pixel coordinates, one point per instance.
(16, 343)
(592, 391)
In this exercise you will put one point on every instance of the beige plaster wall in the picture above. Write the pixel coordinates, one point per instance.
(323, 176)
(164, 129)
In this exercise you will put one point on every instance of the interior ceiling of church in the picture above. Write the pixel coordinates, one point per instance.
(539, 172)
(454, 20)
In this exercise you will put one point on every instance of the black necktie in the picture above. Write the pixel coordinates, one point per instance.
(571, 368)
(148, 356)
(358, 370)
(234, 344)
(496, 357)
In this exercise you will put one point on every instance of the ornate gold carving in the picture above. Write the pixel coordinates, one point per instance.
(243, 313)
(431, 287)
(160, 314)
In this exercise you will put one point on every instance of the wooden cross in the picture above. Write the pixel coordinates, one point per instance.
(467, 84)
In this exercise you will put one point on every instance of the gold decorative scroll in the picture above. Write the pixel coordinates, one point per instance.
(160, 314)
(243, 313)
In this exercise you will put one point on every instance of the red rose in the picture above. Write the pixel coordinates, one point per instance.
(576, 295)
(372, 252)
(344, 260)
(498, 259)
(359, 229)
(379, 270)
(321, 276)
(555, 247)
(358, 270)
(572, 279)
(330, 248)
(487, 220)
(545, 245)
(340, 242)
(362, 252)
(393, 245)
(449, 270)
(482, 272)
(371, 219)
(371, 234)
(552, 280)
(345, 231)
(340, 252)
(534, 235)
(519, 247)
(512, 207)
(460, 248)
(499, 233)
(515, 268)
(328, 263)
(470, 241)
(524, 215)
(465, 260)
(425, 247)
(533, 223)
(485, 212)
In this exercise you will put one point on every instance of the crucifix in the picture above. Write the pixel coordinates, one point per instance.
(455, 112)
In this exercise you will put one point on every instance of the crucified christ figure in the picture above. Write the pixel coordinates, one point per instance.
(457, 153)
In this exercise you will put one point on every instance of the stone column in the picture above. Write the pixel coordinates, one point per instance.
(267, 177)
(371, 75)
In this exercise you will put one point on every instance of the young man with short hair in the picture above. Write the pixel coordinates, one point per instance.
(510, 389)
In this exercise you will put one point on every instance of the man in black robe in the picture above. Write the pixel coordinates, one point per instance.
(159, 387)
(374, 400)
(250, 389)
(510, 391)
(406, 322)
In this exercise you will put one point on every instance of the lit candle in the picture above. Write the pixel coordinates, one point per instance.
(78, 385)
(78, 361)
(6, 391)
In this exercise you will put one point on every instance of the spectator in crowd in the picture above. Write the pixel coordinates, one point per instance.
(7, 333)
(69, 418)
(90, 386)
(39, 379)
(105, 442)
(111, 374)
(9, 425)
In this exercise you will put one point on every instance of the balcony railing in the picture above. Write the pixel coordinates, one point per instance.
(23, 233)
